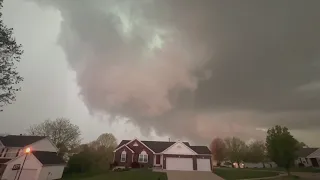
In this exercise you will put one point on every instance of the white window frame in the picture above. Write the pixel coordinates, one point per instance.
(123, 156)
(143, 157)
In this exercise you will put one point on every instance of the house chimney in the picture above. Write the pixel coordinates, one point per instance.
(20, 134)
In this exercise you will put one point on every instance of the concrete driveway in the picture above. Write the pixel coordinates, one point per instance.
(192, 175)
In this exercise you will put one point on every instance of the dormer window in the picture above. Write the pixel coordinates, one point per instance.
(123, 156)
(143, 157)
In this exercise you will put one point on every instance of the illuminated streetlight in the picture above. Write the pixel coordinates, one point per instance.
(27, 151)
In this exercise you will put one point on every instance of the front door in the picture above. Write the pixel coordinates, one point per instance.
(158, 159)
(314, 162)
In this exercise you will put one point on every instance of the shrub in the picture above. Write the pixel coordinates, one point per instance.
(135, 165)
(121, 169)
(113, 165)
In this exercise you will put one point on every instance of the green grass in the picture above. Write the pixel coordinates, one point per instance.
(126, 175)
(233, 173)
(295, 169)
(286, 178)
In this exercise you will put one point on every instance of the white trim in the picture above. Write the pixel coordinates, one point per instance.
(122, 147)
(195, 153)
(131, 142)
(1, 145)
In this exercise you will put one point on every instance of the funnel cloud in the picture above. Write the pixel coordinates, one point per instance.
(196, 69)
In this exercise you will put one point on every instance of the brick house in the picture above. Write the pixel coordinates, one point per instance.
(165, 155)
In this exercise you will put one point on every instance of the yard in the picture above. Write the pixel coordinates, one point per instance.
(233, 173)
(294, 169)
(126, 175)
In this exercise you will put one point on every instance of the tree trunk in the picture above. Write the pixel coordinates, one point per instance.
(288, 171)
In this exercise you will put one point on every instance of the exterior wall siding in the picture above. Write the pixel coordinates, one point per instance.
(31, 165)
(128, 159)
(138, 149)
(51, 172)
(133, 157)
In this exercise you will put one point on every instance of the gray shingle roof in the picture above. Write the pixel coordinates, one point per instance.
(304, 152)
(48, 158)
(159, 146)
(201, 149)
(19, 140)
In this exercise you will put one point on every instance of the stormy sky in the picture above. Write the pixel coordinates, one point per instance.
(185, 69)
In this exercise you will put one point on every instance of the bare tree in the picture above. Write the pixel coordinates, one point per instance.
(106, 140)
(236, 149)
(10, 53)
(61, 131)
(218, 150)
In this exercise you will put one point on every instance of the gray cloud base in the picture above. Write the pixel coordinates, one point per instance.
(221, 67)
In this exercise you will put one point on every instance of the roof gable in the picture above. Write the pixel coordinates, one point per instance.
(156, 146)
(19, 141)
(179, 148)
(314, 154)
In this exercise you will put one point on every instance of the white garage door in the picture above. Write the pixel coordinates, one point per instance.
(181, 164)
(203, 165)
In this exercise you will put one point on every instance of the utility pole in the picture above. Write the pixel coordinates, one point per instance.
(27, 151)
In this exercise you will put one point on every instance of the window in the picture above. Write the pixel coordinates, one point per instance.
(123, 156)
(11, 153)
(143, 157)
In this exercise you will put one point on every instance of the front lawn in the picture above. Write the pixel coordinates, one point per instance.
(234, 173)
(294, 169)
(126, 175)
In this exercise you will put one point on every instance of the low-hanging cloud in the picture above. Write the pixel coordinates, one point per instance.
(196, 69)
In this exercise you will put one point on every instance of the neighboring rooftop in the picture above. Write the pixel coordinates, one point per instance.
(19, 140)
(159, 146)
(304, 152)
(2, 161)
(48, 158)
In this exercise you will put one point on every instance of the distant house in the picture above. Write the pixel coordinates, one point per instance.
(42, 163)
(165, 155)
(308, 157)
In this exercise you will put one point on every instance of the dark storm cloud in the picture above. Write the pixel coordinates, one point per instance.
(219, 68)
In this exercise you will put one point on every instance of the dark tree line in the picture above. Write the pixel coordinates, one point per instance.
(280, 147)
